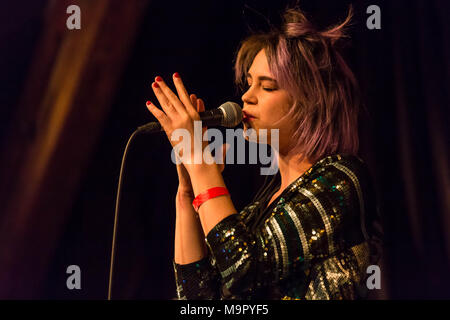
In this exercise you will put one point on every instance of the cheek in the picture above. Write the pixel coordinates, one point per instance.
(271, 118)
(276, 109)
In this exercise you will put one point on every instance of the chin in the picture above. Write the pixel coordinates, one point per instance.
(247, 136)
(255, 135)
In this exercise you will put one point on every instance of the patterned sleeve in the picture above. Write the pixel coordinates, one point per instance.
(197, 281)
(317, 221)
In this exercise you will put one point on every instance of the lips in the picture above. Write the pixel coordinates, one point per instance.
(247, 117)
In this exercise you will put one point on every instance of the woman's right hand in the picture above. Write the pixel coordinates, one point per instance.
(184, 181)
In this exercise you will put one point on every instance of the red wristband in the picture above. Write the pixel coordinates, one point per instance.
(208, 194)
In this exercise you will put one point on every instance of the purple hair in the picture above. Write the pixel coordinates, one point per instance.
(307, 64)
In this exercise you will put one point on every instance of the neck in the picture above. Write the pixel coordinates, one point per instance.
(290, 168)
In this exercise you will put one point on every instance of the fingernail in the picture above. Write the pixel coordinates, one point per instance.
(176, 75)
(158, 78)
(155, 85)
(148, 103)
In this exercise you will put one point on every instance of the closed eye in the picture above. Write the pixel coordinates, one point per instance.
(247, 86)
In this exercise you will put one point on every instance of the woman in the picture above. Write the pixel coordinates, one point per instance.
(309, 233)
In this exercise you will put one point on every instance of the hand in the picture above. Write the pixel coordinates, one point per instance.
(177, 117)
(184, 181)
(180, 113)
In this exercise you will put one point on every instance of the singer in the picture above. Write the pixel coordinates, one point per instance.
(312, 229)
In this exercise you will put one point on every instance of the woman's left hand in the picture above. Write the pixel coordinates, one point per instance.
(178, 113)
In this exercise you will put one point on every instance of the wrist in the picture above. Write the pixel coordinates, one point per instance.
(185, 192)
(203, 169)
(209, 194)
(205, 179)
(185, 195)
(184, 207)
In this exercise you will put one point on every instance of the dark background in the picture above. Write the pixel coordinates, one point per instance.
(403, 71)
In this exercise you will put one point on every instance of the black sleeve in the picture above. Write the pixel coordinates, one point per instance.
(197, 281)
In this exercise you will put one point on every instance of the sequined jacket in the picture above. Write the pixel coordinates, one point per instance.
(313, 242)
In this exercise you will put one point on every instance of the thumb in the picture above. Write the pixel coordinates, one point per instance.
(201, 108)
(200, 105)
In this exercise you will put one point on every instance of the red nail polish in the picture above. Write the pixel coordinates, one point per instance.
(176, 75)
(155, 85)
(148, 103)
(158, 78)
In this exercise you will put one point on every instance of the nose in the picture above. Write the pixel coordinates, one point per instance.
(248, 97)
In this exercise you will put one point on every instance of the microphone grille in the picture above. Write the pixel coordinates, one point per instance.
(232, 114)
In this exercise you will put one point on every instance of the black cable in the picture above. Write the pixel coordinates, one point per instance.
(116, 214)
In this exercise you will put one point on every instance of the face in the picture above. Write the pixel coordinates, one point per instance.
(265, 102)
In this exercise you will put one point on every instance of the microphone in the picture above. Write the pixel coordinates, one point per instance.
(227, 115)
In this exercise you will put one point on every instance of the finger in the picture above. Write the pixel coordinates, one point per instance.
(159, 115)
(171, 98)
(193, 98)
(201, 108)
(184, 96)
(166, 105)
(201, 104)
(194, 101)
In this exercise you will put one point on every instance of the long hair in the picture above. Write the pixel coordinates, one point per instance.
(307, 63)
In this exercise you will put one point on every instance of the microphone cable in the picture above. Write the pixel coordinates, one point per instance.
(116, 213)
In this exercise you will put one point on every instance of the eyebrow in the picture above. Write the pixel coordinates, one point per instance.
(261, 78)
